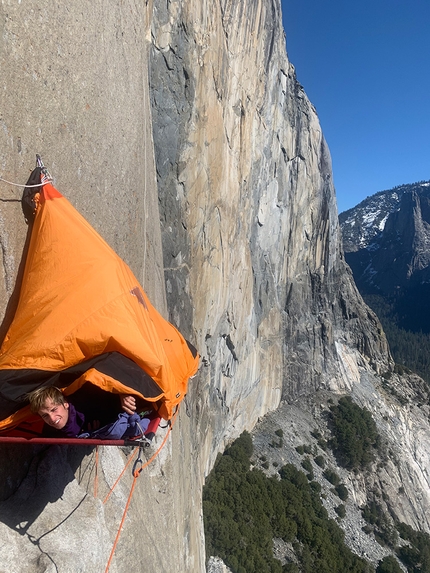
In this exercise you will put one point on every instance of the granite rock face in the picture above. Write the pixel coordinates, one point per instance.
(70, 80)
(74, 89)
(249, 224)
(253, 267)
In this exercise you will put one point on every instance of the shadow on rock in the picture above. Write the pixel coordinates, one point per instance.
(49, 472)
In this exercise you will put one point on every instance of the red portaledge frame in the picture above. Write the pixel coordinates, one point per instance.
(150, 433)
(69, 441)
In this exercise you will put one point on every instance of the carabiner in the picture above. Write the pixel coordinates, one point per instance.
(136, 471)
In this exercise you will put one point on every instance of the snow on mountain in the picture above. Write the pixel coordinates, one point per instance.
(363, 223)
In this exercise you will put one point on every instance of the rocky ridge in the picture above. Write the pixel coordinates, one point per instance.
(401, 429)
(386, 239)
(392, 480)
(362, 223)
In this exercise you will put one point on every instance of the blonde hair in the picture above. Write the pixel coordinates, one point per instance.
(38, 398)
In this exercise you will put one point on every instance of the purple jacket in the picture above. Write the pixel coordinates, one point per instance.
(75, 423)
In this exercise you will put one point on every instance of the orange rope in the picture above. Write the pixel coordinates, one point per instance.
(147, 463)
(152, 458)
(121, 474)
(136, 474)
(121, 524)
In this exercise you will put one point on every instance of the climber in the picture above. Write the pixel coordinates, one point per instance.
(91, 414)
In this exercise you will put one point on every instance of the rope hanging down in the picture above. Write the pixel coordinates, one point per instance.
(136, 473)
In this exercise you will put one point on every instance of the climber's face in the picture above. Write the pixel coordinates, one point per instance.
(55, 415)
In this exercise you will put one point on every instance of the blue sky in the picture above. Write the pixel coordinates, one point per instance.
(366, 68)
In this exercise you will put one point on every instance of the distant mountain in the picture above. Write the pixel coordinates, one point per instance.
(361, 224)
(401, 213)
(386, 240)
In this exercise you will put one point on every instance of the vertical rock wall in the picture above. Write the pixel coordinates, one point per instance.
(73, 88)
(250, 230)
